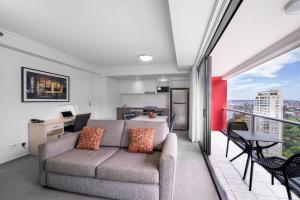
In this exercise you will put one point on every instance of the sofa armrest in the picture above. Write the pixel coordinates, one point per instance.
(53, 148)
(167, 167)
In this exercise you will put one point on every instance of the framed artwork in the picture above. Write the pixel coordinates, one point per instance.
(41, 86)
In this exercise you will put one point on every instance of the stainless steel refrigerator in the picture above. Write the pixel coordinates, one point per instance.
(180, 107)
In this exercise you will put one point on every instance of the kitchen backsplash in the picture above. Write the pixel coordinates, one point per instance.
(142, 100)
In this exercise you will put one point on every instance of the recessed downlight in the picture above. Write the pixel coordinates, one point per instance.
(145, 57)
(293, 7)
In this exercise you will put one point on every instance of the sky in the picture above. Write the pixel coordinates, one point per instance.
(282, 72)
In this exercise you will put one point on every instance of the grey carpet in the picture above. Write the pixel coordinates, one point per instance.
(19, 178)
(193, 181)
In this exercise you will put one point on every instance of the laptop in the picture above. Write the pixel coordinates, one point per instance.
(67, 114)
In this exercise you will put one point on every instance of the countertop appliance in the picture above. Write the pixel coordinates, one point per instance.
(180, 107)
(163, 89)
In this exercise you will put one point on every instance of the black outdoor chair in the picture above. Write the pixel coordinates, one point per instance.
(80, 122)
(231, 136)
(129, 115)
(171, 127)
(287, 168)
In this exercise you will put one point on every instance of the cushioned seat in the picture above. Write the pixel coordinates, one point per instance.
(79, 162)
(131, 167)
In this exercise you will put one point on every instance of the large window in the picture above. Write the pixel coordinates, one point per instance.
(271, 89)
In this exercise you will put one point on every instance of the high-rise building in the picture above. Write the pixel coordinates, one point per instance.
(269, 103)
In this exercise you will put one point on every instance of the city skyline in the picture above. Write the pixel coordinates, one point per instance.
(282, 72)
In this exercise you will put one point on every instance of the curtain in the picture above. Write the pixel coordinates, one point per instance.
(195, 122)
(197, 104)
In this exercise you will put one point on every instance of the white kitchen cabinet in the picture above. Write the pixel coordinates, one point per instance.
(137, 86)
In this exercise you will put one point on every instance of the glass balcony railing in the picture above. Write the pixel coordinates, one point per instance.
(286, 130)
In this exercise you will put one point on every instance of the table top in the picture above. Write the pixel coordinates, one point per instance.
(54, 121)
(146, 118)
(263, 137)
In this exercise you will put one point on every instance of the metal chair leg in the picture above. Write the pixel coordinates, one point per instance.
(227, 147)
(247, 164)
(237, 156)
(272, 178)
(286, 182)
(251, 175)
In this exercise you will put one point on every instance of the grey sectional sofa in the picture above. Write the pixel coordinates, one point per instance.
(112, 172)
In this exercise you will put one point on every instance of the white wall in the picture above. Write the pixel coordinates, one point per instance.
(180, 83)
(108, 96)
(84, 87)
(132, 91)
(142, 100)
(137, 86)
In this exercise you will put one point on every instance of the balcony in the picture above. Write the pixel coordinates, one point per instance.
(230, 174)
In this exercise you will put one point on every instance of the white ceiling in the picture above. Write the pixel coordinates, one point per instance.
(256, 26)
(112, 33)
(108, 33)
(189, 21)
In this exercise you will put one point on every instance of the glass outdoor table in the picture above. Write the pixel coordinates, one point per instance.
(251, 140)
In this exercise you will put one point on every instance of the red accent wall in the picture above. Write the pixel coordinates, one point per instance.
(219, 101)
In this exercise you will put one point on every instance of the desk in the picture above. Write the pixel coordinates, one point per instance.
(146, 118)
(39, 133)
(249, 139)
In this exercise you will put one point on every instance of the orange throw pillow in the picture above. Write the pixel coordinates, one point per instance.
(141, 140)
(90, 138)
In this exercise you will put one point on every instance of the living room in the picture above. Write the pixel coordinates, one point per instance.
(45, 75)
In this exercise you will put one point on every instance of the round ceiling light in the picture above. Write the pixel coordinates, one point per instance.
(145, 58)
(293, 7)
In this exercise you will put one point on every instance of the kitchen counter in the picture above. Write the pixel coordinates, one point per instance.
(146, 118)
(141, 111)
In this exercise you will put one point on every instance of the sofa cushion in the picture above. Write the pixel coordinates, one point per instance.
(90, 138)
(161, 130)
(131, 167)
(112, 131)
(79, 162)
(141, 140)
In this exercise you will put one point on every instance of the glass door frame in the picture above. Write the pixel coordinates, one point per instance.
(228, 15)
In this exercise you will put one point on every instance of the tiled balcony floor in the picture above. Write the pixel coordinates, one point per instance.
(230, 174)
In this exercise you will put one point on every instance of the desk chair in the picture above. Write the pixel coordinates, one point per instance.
(160, 113)
(171, 127)
(80, 122)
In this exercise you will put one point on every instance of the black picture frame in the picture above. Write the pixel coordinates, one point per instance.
(56, 87)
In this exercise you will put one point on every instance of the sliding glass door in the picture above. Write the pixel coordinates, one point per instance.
(204, 71)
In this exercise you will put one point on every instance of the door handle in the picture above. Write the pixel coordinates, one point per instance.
(204, 113)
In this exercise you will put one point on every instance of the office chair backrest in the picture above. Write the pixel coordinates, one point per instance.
(81, 121)
(172, 122)
(160, 113)
(129, 115)
(292, 166)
